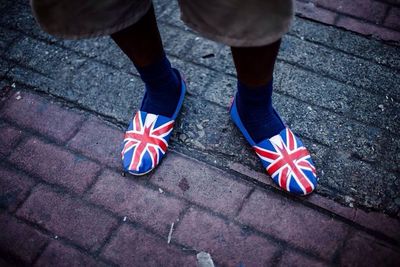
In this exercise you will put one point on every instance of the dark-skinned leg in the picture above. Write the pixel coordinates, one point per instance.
(254, 67)
(142, 43)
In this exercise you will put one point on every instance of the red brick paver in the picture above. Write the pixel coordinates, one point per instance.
(99, 141)
(134, 247)
(200, 183)
(9, 137)
(227, 243)
(14, 188)
(137, 203)
(368, 17)
(290, 258)
(67, 217)
(57, 254)
(61, 208)
(296, 224)
(372, 251)
(35, 112)
(19, 240)
(55, 165)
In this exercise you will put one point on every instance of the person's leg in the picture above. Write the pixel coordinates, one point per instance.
(142, 43)
(254, 67)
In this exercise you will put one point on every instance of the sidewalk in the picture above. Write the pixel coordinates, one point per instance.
(67, 201)
(64, 199)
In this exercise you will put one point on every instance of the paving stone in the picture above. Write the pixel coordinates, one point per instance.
(45, 58)
(221, 89)
(197, 78)
(338, 97)
(171, 14)
(213, 55)
(14, 188)
(19, 240)
(346, 68)
(110, 92)
(177, 41)
(100, 48)
(293, 223)
(99, 141)
(7, 36)
(393, 18)
(136, 202)
(67, 217)
(5, 67)
(379, 222)
(366, 142)
(134, 247)
(3, 263)
(311, 11)
(361, 247)
(46, 66)
(228, 244)
(201, 184)
(57, 254)
(290, 258)
(19, 16)
(55, 165)
(346, 41)
(9, 137)
(368, 29)
(362, 183)
(332, 206)
(37, 113)
(39, 80)
(365, 9)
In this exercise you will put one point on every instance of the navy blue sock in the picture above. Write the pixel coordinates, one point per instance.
(163, 87)
(255, 109)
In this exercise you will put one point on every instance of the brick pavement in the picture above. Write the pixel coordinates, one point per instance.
(64, 202)
(63, 199)
(377, 18)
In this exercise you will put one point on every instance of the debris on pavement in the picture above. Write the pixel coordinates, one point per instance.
(170, 233)
(204, 259)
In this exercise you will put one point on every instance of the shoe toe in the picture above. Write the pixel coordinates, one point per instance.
(288, 162)
(145, 142)
(144, 166)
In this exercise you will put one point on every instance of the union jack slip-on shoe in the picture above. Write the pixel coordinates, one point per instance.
(284, 157)
(146, 139)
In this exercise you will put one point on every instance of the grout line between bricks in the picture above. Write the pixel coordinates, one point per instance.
(180, 217)
(93, 182)
(338, 253)
(78, 128)
(40, 252)
(51, 236)
(277, 257)
(386, 13)
(244, 200)
(111, 234)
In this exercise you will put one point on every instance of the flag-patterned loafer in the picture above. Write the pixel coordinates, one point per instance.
(146, 139)
(284, 157)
